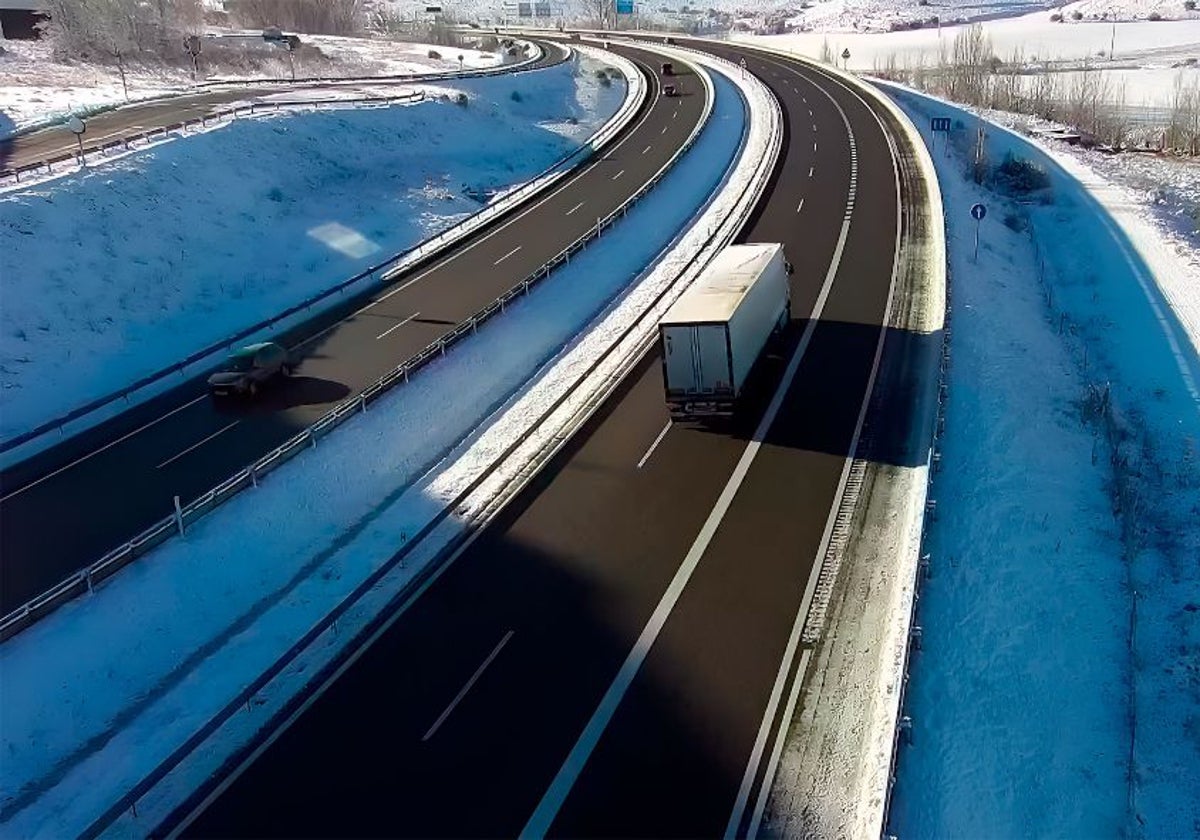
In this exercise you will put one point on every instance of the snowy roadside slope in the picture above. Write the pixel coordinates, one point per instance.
(1056, 686)
(35, 88)
(93, 304)
(254, 575)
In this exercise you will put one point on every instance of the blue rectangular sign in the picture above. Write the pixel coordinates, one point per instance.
(624, 7)
(939, 124)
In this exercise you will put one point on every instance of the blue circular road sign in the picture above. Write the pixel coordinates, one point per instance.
(978, 211)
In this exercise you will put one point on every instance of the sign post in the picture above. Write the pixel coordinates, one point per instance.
(978, 211)
(941, 124)
(78, 127)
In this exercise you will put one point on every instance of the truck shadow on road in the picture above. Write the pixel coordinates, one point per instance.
(821, 409)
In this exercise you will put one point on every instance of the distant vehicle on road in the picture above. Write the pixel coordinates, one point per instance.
(669, 40)
(668, 69)
(248, 369)
(574, 36)
(714, 333)
(670, 90)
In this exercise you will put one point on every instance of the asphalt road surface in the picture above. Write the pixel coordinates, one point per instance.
(105, 127)
(612, 656)
(184, 443)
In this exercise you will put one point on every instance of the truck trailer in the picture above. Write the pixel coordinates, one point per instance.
(714, 333)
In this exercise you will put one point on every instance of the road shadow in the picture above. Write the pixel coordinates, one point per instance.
(821, 409)
(361, 762)
(284, 393)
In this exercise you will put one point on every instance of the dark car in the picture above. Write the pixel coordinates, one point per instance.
(669, 40)
(249, 368)
(668, 69)
(669, 90)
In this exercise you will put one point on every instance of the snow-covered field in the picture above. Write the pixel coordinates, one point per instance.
(92, 303)
(76, 729)
(1158, 43)
(1056, 691)
(35, 88)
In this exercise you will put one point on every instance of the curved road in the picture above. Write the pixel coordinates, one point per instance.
(613, 655)
(183, 443)
(55, 141)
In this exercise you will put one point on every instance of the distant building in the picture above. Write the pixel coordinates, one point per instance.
(19, 19)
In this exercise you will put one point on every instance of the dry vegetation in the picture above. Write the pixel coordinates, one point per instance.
(970, 72)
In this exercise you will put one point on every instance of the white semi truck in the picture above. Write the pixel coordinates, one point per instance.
(716, 330)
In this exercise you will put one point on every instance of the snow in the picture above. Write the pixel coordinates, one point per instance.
(177, 634)
(1144, 51)
(91, 304)
(37, 88)
(1056, 688)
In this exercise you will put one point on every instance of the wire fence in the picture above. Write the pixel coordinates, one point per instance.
(718, 236)
(329, 624)
(84, 580)
(377, 273)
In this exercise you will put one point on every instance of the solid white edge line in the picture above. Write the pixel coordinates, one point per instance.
(463, 692)
(567, 182)
(317, 693)
(195, 446)
(760, 741)
(396, 326)
(543, 816)
(106, 446)
(797, 684)
(506, 256)
(654, 445)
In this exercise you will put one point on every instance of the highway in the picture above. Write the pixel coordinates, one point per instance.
(183, 443)
(105, 127)
(612, 656)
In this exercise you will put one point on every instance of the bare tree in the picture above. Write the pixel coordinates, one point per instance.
(122, 28)
(327, 17)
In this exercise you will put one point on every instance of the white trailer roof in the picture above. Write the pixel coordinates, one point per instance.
(717, 292)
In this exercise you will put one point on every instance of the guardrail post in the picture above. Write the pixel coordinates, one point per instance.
(362, 402)
(254, 477)
(312, 439)
(178, 516)
(905, 727)
(916, 636)
(87, 576)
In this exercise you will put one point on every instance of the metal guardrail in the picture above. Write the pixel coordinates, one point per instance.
(722, 234)
(85, 579)
(124, 142)
(516, 67)
(381, 272)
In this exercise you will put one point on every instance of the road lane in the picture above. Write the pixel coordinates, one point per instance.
(57, 140)
(345, 357)
(577, 564)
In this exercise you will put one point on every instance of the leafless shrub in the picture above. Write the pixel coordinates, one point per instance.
(122, 29)
(326, 17)
(1183, 127)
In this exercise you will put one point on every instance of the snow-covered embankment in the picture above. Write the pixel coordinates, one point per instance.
(1057, 688)
(278, 558)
